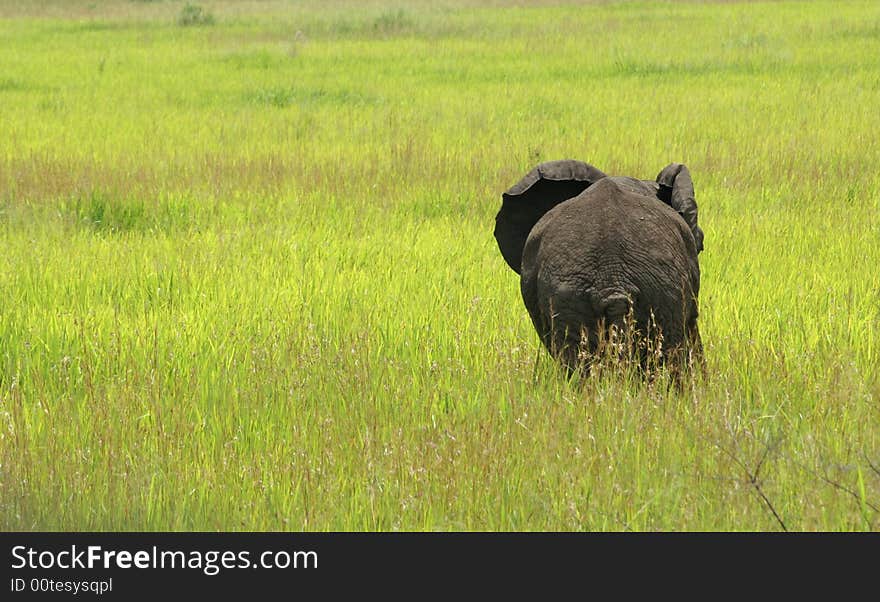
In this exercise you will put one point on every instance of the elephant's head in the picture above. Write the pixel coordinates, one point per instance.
(528, 200)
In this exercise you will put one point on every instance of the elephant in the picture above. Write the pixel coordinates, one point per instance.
(606, 258)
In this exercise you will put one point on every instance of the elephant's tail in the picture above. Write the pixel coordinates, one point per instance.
(575, 317)
(613, 307)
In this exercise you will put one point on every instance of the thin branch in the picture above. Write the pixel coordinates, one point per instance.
(868, 460)
(835, 484)
(757, 484)
(769, 505)
(766, 453)
(842, 488)
(753, 480)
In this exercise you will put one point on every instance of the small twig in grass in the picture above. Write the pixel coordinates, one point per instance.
(871, 464)
(757, 485)
(838, 486)
(826, 479)
(767, 449)
(753, 480)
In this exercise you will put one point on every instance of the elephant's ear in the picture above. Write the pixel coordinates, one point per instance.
(677, 191)
(540, 190)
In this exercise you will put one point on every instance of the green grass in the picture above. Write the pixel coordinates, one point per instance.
(248, 277)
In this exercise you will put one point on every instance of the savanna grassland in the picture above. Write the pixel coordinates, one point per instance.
(248, 278)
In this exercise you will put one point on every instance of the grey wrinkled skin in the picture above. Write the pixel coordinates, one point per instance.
(596, 252)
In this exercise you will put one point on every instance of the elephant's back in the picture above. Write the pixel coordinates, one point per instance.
(610, 240)
(610, 222)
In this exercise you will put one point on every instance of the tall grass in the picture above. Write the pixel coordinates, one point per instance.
(248, 277)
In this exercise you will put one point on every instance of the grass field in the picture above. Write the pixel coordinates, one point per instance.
(248, 278)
